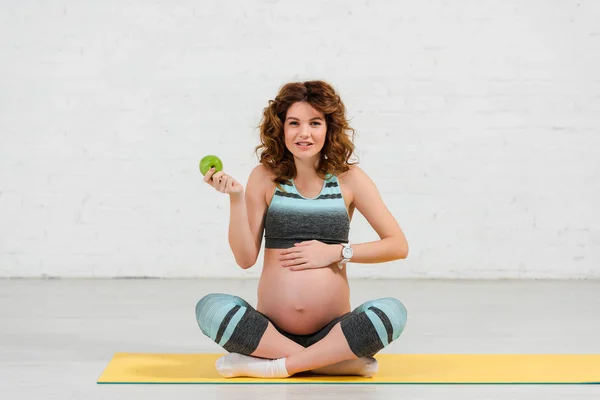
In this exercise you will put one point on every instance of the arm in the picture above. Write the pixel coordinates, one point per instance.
(392, 244)
(247, 212)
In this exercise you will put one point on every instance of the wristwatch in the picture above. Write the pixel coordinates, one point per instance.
(346, 254)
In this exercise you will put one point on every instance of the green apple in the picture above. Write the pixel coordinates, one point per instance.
(210, 161)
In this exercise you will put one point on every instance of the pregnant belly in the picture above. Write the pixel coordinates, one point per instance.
(301, 302)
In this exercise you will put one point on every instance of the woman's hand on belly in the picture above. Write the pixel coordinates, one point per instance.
(310, 254)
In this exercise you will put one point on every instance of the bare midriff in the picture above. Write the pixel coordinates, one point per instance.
(301, 302)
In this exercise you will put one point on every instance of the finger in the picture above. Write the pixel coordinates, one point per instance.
(291, 256)
(218, 175)
(223, 183)
(209, 174)
(214, 180)
(227, 184)
(291, 250)
(295, 262)
(301, 244)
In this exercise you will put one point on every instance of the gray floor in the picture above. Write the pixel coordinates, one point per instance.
(57, 336)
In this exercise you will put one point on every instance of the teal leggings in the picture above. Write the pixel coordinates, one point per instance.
(237, 327)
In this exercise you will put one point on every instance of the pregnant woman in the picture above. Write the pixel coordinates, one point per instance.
(301, 198)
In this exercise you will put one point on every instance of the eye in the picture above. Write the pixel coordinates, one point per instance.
(316, 123)
(293, 123)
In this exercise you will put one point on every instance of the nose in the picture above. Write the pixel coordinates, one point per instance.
(304, 130)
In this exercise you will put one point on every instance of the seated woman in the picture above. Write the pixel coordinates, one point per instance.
(301, 197)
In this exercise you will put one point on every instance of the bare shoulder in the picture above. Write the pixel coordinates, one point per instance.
(261, 175)
(368, 201)
(260, 181)
(354, 178)
(353, 171)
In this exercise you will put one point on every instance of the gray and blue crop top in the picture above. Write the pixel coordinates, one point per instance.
(292, 218)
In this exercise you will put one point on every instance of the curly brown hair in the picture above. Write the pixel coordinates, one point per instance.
(338, 147)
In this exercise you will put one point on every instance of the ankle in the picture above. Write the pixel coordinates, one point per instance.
(281, 368)
(289, 366)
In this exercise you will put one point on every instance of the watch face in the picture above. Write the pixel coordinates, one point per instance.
(347, 252)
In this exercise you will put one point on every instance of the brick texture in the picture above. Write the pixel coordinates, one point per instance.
(479, 121)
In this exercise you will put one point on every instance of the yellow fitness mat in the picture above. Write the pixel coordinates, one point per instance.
(134, 368)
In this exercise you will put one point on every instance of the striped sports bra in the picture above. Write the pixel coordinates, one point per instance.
(292, 218)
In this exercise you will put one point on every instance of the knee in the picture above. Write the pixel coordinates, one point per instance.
(396, 314)
(230, 322)
(209, 310)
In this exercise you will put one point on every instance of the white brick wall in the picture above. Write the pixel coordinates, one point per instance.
(478, 120)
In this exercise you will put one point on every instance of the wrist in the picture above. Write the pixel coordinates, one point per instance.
(236, 197)
(336, 253)
(346, 254)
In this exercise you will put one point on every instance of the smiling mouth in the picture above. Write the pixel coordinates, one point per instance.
(303, 144)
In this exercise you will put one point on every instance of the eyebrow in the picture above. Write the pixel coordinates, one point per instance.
(297, 119)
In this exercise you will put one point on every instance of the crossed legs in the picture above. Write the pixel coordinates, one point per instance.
(232, 323)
